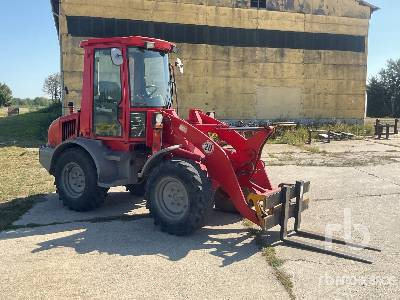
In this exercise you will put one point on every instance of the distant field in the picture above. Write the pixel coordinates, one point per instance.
(29, 129)
(22, 110)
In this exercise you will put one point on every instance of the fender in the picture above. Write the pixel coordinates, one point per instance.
(113, 167)
(155, 159)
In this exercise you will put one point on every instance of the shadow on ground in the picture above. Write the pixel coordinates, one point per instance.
(11, 211)
(130, 230)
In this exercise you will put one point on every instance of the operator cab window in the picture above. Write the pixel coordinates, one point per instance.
(107, 95)
(148, 78)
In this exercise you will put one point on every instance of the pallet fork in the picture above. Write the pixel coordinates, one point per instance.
(278, 208)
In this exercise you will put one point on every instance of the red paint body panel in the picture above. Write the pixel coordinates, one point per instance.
(55, 132)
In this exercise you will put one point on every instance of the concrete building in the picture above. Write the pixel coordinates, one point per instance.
(246, 60)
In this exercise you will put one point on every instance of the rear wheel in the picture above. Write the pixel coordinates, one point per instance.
(179, 196)
(76, 181)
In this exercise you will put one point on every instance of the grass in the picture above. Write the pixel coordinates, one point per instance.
(29, 129)
(299, 135)
(22, 180)
(272, 259)
(270, 255)
(21, 174)
(291, 136)
(23, 183)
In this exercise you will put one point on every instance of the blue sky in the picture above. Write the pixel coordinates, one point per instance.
(29, 49)
(29, 45)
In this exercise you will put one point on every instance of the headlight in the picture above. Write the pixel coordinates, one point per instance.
(159, 118)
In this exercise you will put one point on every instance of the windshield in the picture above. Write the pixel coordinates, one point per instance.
(149, 78)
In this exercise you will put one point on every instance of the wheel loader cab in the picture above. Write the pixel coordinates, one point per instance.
(126, 81)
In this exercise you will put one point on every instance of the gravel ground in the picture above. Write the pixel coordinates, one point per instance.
(103, 255)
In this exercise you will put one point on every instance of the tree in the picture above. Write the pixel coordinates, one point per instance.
(40, 101)
(5, 95)
(52, 87)
(384, 91)
(376, 99)
(391, 81)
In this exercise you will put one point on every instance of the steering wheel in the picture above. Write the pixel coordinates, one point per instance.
(151, 93)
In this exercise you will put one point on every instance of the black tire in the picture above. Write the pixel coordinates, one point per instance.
(223, 202)
(196, 205)
(138, 189)
(91, 196)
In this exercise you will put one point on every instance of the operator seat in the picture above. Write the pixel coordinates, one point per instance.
(106, 109)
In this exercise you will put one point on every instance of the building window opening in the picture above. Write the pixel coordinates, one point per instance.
(258, 3)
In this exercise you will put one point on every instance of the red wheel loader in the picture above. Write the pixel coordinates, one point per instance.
(126, 133)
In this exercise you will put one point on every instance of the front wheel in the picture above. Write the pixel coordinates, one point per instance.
(76, 181)
(179, 196)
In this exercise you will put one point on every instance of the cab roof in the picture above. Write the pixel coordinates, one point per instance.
(135, 41)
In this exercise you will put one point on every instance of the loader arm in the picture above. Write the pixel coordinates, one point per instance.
(245, 158)
(223, 166)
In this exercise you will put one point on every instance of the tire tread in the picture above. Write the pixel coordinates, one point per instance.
(200, 189)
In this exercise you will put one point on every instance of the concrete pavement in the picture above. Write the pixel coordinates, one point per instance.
(129, 259)
(117, 251)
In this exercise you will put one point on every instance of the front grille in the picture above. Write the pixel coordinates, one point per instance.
(68, 129)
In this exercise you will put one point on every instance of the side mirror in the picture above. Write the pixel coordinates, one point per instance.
(116, 56)
(179, 65)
